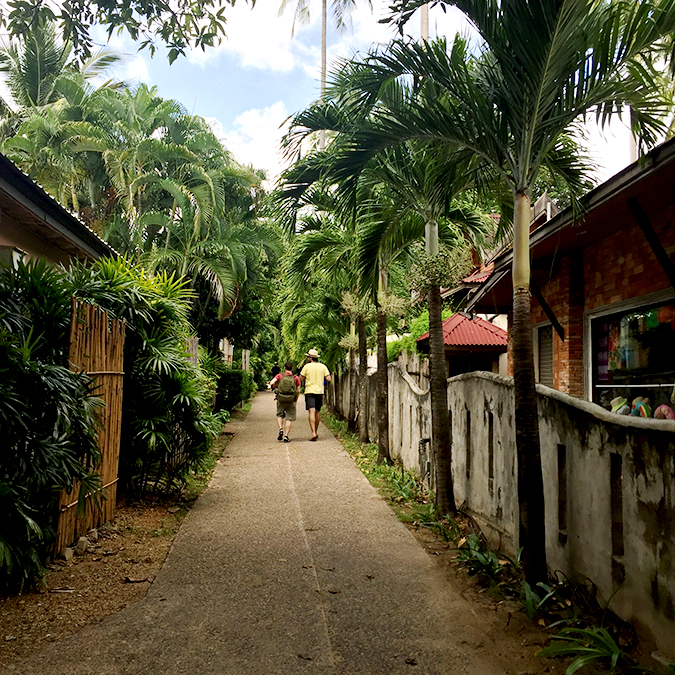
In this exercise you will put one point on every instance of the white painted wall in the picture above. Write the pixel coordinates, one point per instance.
(640, 583)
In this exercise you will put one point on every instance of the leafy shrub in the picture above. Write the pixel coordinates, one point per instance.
(588, 645)
(47, 417)
(167, 422)
(480, 559)
(418, 327)
(234, 386)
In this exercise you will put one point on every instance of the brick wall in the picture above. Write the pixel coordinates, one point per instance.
(620, 268)
(624, 266)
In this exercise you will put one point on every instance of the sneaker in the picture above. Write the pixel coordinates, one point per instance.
(281, 435)
(287, 439)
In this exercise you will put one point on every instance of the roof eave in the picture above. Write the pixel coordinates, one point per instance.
(32, 197)
(637, 171)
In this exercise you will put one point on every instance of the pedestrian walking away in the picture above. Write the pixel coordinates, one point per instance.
(314, 374)
(275, 370)
(287, 390)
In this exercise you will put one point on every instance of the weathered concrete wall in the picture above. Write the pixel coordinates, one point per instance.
(609, 485)
(409, 416)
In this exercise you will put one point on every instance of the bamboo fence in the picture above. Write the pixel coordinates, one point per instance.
(96, 347)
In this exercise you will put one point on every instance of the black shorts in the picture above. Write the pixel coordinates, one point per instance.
(313, 401)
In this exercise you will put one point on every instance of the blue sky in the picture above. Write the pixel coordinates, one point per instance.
(261, 73)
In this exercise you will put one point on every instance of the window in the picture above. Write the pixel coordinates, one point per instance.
(545, 337)
(633, 354)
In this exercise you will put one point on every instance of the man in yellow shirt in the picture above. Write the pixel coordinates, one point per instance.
(313, 374)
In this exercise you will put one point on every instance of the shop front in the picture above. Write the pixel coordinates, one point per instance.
(633, 355)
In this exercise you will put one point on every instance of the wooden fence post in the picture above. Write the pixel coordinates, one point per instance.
(96, 347)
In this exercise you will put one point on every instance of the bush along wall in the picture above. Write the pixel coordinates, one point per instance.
(167, 421)
(234, 386)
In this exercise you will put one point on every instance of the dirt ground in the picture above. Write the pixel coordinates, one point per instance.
(114, 571)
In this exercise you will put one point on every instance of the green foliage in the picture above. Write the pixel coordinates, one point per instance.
(481, 560)
(234, 385)
(444, 269)
(418, 327)
(539, 602)
(167, 423)
(587, 645)
(47, 417)
(445, 527)
(142, 172)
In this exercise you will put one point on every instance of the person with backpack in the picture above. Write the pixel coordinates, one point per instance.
(287, 387)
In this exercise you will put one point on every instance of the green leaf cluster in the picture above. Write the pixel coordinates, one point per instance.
(47, 417)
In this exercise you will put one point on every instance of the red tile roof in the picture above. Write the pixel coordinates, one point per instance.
(480, 275)
(458, 331)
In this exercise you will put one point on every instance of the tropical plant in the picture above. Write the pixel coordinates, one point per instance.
(419, 187)
(167, 423)
(39, 70)
(323, 249)
(477, 556)
(510, 103)
(47, 415)
(588, 645)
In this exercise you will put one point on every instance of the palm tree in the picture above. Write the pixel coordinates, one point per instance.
(541, 65)
(326, 249)
(412, 181)
(342, 10)
(37, 66)
(420, 185)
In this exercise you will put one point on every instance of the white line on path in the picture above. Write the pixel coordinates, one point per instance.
(301, 523)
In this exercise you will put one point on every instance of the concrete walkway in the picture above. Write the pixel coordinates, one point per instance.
(289, 563)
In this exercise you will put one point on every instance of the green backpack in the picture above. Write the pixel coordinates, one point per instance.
(286, 389)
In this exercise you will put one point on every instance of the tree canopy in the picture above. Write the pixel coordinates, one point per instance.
(179, 25)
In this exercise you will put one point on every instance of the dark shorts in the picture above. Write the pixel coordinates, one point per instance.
(313, 401)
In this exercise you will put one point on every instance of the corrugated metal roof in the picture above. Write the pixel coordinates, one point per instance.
(27, 194)
(459, 331)
(480, 275)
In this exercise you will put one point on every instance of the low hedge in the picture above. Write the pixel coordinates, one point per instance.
(234, 386)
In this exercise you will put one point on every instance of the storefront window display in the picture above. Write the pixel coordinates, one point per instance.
(634, 356)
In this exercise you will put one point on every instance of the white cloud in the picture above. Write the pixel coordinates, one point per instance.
(259, 37)
(137, 70)
(255, 138)
(610, 148)
(262, 39)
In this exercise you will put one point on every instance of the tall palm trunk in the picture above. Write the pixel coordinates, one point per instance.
(382, 378)
(363, 382)
(351, 415)
(382, 389)
(324, 30)
(530, 481)
(441, 443)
